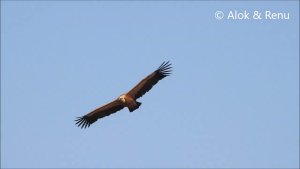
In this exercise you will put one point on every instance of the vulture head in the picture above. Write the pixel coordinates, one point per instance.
(122, 98)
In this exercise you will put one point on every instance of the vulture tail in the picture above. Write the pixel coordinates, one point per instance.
(131, 109)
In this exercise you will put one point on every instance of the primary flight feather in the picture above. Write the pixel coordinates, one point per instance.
(126, 100)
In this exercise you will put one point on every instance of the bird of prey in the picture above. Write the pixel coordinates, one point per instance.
(129, 99)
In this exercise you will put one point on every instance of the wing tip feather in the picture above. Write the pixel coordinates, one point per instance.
(165, 69)
(83, 122)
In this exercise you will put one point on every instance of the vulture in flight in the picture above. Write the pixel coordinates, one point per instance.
(126, 100)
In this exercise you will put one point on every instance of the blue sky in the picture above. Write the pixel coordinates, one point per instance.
(232, 100)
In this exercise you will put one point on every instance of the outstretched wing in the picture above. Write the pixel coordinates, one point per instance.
(106, 110)
(146, 84)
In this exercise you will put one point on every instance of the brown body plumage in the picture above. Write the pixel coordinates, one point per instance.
(126, 100)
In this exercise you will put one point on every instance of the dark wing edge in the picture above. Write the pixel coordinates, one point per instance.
(146, 84)
(106, 110)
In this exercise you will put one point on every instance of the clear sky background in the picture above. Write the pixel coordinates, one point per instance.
(232, 100)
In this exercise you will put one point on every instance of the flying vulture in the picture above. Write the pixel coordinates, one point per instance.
(126, 100)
